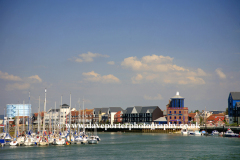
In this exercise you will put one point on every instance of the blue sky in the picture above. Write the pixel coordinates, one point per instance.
(120, 53)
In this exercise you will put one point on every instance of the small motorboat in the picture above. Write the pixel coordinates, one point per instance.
(190, 132)
(14, 142)
(230, 133)
(92, 140)
(215, 133)
(197, 133)
(184, 131)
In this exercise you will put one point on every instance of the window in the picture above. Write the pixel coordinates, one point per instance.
(170, 112)
(179, 112)
(174, 112)
(175, 117)
(180, 117)
(170, 117)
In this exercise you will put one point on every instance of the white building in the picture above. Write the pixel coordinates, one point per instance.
(64, 110)
(52, 115)
(112, 112)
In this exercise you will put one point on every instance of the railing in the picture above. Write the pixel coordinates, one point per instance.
(177, 108)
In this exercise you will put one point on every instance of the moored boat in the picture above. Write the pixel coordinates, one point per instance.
(190, 132)
(197, 133)
(92, 140)
(184, 131)
(215, 133)
(230, 133)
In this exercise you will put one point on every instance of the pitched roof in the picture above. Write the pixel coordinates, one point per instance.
(148, 108)
(161, 119)
(217, 112)
(115, 109)
(138, 109)
(97, 110)
(129, 110)
(119, 112)
(192, 115)
(215, 116)
(53, 110)
(104, 110)
(235, 95)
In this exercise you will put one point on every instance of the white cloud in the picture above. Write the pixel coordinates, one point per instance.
(161, 69)
(17, 86)
(95, 77)
(158, 97)
(88, 57)
(25, 82)
(35, 79)
(220, 73)
(152, 63)
(6, 76)
(111, 62)
(137, 79)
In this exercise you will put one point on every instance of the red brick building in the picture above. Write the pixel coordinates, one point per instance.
(176, 112)
(118, 117)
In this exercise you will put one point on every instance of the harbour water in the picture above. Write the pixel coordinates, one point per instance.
(116, 145)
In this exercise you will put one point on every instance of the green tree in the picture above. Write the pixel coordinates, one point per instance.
(226, 112)
(201, 120)
(196, 111)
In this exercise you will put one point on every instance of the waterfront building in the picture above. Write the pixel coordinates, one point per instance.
(105, 115)
(216, 120)
(118, 117)
(35, 118)
(112, 112)
(96, 113)
(142, 114)
(191, 117)
(51, 115)
(84, 116)
(233, 108)
(18, 110)
(176, 112)
(217, 112)
(161, 120)
(64, 110)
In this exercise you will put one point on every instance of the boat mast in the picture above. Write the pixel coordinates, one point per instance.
(28, 111)
(79, 115)
(60, 115)
(50, 121)
(18, 122)
(39, 115)
(23, 115)
(44, 111)
(3, 121)
(54, 118)
(70, 114)
(83, 118)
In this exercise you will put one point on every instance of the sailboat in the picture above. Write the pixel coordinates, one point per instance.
(43, 139)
